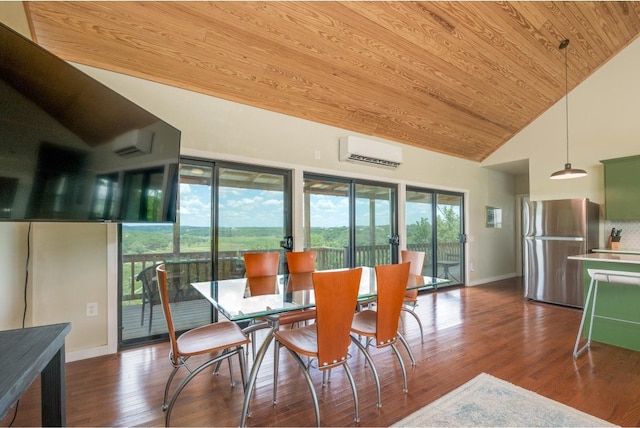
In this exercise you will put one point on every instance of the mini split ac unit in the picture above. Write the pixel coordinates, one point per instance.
(133, 143)
(356, 149)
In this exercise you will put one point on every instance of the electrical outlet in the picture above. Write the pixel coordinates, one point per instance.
(92, 309)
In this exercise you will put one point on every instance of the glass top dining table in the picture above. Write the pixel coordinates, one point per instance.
(249, 298)
(265, 297)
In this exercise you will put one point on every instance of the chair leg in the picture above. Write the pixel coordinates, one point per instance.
(376, 378)
(353, 389)
(243, 367)
(166, 388)
(191, 375)
(410, 311)
(276, 363)
(314, 396)
(150, 317)
(408, 348)
(231, 369)
(405, 389)
(142, 314)
(576, 351)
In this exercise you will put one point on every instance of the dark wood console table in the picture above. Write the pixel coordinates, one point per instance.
(25, 353)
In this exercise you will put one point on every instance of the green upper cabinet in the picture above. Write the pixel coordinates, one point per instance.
(622, 188)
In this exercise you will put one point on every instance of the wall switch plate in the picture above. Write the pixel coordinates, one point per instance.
(92, 309)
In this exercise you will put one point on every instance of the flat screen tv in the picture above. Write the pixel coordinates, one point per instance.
(71, 149)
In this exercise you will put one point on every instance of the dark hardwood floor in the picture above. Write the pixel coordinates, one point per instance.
(488, 328)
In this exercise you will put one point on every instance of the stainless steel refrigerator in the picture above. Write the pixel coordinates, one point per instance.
(553, 231)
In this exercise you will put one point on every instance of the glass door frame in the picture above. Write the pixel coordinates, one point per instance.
(215, 165)
(352, 183)
(287, 202)
(462, 237)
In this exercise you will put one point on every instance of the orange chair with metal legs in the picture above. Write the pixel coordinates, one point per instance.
(327, 340)
(261, 270)
(222, 339)
(301, 265)
(380, 326)
(411, 296)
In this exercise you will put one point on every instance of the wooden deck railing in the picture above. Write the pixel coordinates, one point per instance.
(231, 265)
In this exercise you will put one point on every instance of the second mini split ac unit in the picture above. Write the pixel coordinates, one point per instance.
(356, 149)
(133, 143)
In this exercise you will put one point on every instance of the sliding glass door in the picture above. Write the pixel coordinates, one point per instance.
(253, 213)
(435, 224)
(350, 222)
(224, 210)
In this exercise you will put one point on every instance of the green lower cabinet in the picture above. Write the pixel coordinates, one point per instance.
(614, 302)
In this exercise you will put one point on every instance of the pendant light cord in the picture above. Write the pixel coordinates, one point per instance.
(566, 89)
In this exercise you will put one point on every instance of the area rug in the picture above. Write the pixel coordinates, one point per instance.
(486, 401)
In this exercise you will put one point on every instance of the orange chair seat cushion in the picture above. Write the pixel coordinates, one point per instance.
(364, 323)
(303, 340)
(211, 338)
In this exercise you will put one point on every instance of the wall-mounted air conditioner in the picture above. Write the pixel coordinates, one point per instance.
(133, 143)
(356, 149)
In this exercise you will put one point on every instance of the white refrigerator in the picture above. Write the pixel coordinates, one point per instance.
(553, 231)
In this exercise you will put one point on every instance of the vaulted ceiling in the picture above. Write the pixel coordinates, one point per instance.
(459, 78)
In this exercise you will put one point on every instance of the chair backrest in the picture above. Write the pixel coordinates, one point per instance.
(416, 258)
(299, 281)
(417, 263)
(391, 284)
(301, 265)
(261, 285)
(149, 283)
(261, 264)
(336, 294)
(163, 291)
(301, 261)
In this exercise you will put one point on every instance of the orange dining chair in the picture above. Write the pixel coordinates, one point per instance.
(222, 340)
(301, 264)
(411, 296)
(261, 270)
(327, 340)
(261, 264)
(380, 326)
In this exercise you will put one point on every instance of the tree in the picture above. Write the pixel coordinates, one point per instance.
(420, 233)
(448, 222)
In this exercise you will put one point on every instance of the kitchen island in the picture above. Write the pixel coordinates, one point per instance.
(615, 301)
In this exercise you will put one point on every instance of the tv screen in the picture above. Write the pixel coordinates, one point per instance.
(71, 149)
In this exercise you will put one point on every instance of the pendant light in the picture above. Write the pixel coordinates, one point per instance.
(568, 171)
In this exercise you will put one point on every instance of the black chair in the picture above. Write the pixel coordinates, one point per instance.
(149, 291)
(181, 275)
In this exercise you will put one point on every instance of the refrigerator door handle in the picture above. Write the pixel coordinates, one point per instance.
(554, 238)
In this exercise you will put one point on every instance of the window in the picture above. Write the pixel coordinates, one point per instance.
(350, 222)
(224, 210)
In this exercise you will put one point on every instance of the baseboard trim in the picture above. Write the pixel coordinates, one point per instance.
(493, 279)
(87, 353)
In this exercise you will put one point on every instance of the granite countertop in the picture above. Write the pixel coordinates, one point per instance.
(608, 257)
(621, 251)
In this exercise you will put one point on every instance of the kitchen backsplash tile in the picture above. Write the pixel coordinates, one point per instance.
(630, 233)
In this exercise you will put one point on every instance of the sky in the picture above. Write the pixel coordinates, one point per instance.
(248, 207)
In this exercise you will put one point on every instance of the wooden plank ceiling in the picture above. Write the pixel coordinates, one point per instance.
(459, 78)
